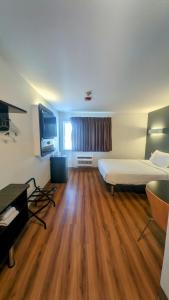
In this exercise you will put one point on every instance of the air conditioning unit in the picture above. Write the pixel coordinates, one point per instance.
(83, 160)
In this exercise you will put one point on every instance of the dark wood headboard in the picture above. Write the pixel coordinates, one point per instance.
(157, 119)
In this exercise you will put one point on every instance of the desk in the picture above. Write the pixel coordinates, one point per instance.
(158, 196)
(160, 188)
(12, 195)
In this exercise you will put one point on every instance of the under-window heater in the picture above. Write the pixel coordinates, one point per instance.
(83, 160)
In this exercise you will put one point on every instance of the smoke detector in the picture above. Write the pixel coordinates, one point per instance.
(88, 96)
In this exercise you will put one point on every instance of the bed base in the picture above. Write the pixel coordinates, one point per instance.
(139, 189)
(112, 188)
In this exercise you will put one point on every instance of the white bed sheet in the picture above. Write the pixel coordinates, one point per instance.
(131, 171)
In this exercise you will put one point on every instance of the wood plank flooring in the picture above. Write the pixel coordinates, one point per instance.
(89, 250)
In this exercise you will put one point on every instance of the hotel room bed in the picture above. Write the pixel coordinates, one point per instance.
(130, 171)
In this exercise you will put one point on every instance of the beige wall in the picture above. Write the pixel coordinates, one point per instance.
(17, 160)
(128, 135)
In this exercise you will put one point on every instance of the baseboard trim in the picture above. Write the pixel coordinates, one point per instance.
(162, 295)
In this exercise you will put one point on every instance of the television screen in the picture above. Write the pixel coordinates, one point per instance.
(47, 123)
(49, 127)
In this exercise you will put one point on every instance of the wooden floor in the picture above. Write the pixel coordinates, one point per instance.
(90, 248)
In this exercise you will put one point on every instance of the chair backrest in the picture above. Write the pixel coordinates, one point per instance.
(159, 208)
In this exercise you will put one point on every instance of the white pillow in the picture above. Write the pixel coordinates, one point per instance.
(153, 154)
(160, 158)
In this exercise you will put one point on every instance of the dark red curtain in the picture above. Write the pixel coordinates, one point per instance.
(91, 134)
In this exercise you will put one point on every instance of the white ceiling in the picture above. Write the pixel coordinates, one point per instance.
(117, 48)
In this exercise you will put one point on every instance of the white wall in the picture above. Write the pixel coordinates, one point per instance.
(128, 135)
(165, 268)
(17, 160)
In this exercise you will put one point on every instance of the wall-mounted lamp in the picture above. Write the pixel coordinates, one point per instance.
(158, 130)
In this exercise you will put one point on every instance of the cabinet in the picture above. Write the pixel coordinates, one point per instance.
(12, 195)
(58, 169)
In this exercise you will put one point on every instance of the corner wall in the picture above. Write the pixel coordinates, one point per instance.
(17, 160)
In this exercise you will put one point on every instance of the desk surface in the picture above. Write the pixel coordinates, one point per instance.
(10, 193)
(160, 188)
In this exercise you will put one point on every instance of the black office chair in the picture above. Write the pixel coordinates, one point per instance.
(39, 194)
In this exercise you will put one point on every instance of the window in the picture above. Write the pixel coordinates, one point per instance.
(91, 134)
(67, 135)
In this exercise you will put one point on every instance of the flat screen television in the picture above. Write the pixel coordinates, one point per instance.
(48, 128)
